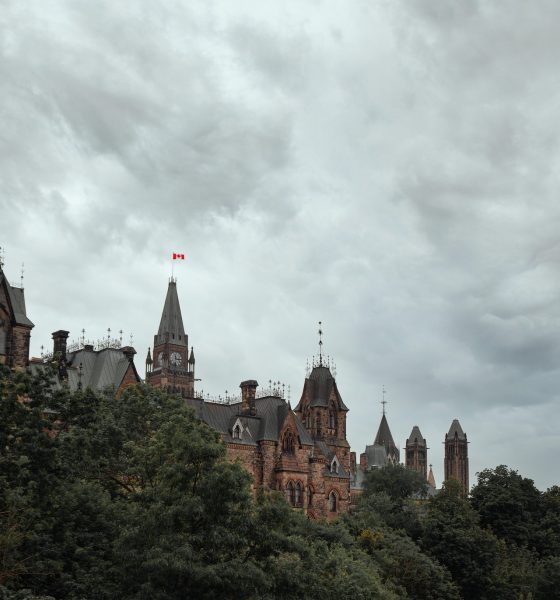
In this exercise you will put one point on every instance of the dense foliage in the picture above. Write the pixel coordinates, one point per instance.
(130, 498)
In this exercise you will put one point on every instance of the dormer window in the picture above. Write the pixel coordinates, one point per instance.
(237, 432)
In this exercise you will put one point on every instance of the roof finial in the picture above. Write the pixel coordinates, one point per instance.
(2, 256)
(383, 402)
(21, 276)
(320, 345)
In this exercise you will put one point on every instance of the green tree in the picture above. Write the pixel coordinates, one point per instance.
(510, 505)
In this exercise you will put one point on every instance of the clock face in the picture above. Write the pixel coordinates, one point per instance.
(175, 359)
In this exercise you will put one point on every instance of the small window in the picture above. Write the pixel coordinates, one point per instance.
(332, 502)
(237, 432)
(298, 496)
(290, 493)
(334, 465)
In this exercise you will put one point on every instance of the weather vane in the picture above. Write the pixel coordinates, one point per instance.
(320, 344)
(383, 402)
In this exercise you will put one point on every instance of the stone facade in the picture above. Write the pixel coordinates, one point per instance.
(15, 327)
(456, 461)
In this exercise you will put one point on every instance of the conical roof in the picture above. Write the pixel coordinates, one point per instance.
(416, 437)
(322, 383)
(171, 325)
(384, 436)
(431, 478)
(456, 429)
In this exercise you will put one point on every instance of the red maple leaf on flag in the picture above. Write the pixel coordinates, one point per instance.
(177, 256)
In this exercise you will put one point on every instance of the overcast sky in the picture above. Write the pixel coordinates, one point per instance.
(389, 168)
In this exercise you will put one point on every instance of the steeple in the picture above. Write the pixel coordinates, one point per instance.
(384, 438)
(431, 478)
(169, 366)
(171, 327)
(416, 452)
(456, 462)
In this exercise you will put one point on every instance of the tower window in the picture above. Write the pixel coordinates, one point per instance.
(298, 496)
(332, 502)
(290, 493)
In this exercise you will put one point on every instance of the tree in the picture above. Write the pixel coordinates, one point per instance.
(509, 504)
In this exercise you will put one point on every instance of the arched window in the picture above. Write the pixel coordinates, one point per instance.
(298, 500)
(334, 465)
(309, 495)
(288, 442)
(331, 419)
(290, 493)
(332, 501)
(237, 432)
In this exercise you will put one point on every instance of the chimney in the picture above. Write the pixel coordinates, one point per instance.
(352, 462)
(129, 352)
(248, 393)
(60, 338)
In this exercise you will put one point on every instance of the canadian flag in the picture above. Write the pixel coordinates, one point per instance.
(178, 256)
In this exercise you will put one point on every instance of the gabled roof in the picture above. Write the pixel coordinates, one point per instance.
(171, 325)
(416, 437)
(456, 429)
(16, 299)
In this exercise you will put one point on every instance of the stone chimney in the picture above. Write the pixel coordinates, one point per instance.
(60, 338)
(352, 462)
(129, 352)
(248, 393)
(363, 461)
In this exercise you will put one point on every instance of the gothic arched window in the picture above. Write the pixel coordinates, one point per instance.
(298, 497)
(288, 443)
(290, 493)
(237, 432)
(332, 501)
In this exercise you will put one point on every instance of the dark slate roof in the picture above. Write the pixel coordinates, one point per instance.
(101, 370)
(16, 298)
(384, 437)
(171, 324)
(376, 456)
(416, 437)
(321, 384)
(265, 425)
(456, 429)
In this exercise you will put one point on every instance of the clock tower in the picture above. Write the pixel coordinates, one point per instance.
(171, 367)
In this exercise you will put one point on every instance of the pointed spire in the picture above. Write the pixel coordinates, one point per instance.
(191, 357)
(171, 325)
(320, 332)
(384, 438)
(149, 357)
(431, 478)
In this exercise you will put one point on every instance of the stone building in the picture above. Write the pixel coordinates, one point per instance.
(456, 461)
(416, 453)
(303, 452)
(15, 327)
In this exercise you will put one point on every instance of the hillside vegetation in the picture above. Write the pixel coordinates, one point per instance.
(130, 498)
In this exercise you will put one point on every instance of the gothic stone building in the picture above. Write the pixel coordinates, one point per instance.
(15, 327)
(303, 452)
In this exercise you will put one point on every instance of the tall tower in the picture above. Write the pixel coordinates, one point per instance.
(417, 452)
(456, 462)
(171, 367)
